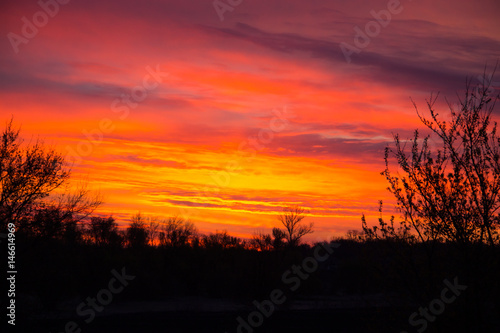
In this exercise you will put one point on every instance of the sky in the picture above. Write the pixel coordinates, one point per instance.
(223, 112)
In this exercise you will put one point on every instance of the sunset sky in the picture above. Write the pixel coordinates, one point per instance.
(225, 115)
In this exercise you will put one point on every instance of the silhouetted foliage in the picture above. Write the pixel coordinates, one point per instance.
(27, 175)
(353, 235)
(291, 219)
(262, 241)
(104, 231)
(452, 192)
(176, 232)
(48, 222)
(221, 240)
(137, 234)
(279, 237)
(153, 230)
(448, 195)
(265, 242)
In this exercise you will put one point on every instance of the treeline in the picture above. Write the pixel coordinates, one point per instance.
(52, 222)
(173, 262)
(62, 261)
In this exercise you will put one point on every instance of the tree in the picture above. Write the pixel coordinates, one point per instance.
(27, 175)
(448, 194)
(76, 200)
(59, 215)
(279, 237)
(30, 176)
(221, 240)
(137, 233)
(267, 242)
(153, 231)
(104, 231)
(291, 219)
(353, 235)
(452, 192)
(177, 232)
(262, 241)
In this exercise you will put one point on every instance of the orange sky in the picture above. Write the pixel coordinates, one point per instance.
(168, 110)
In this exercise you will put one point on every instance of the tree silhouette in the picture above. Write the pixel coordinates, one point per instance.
(291, 219)
(59, 216)
(176, 232)
(447, 189)
(27, 175)
(267, 242)
(221, 240)
(279, 237)
(450, 193)
(137, 234)
(104, 231)
(49, 222)
(262, 241)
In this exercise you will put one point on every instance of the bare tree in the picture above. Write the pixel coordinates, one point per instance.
(153, 229)
(176, 232)
(61, 213)
(291, 219)
(353, 235)
(137, 234)
(279, 237)
(77, 200)
(262, 241)
(30, 176)
(221, 240)
(450, 193)
(276, 240)
(104, 231)
(27, 175)
(447, 191)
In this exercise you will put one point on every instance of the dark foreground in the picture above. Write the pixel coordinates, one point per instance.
(338, 314)
(366, 320)
(359, 287)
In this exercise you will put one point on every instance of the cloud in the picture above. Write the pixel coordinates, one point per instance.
(406, 69)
